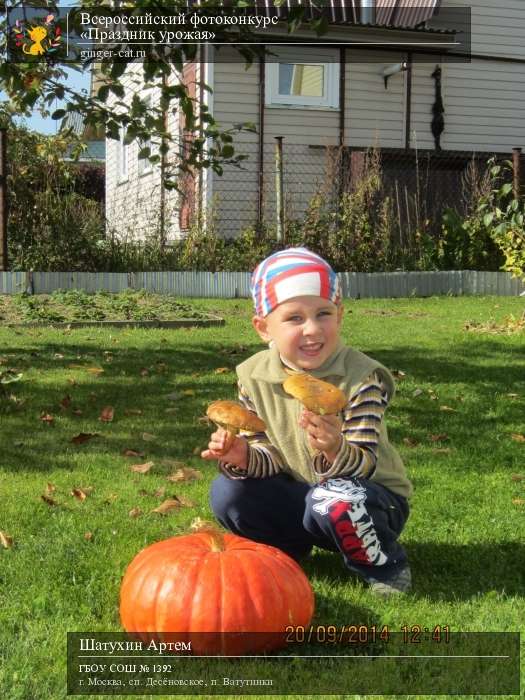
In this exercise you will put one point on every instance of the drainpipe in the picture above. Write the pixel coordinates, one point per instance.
(368, 11)
(260, 154)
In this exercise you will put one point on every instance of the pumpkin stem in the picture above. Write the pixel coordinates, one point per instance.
(217, 540)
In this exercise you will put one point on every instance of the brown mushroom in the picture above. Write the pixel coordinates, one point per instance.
(316, 395)
(232, 416)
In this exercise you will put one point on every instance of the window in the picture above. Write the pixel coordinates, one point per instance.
(144, 164)
(313, 85)
(122, 156)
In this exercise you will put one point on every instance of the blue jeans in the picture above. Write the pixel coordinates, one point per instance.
(356, 517)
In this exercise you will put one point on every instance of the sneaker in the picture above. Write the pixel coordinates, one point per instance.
(399, 583)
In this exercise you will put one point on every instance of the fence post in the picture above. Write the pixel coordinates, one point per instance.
(279, 191)
(517, 180)
(3, 199)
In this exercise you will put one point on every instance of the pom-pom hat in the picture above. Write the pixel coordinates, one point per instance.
(290, 273)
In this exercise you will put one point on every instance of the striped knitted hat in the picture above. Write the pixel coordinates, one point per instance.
(292, 273)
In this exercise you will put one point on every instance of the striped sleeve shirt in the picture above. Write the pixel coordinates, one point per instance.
(357, 455)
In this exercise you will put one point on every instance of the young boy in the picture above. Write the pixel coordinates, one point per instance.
(333, 481)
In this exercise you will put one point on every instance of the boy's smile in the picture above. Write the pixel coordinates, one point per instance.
(305, 330)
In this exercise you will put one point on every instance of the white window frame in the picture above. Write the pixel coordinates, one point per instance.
(329, 99)
(123, 156)
(144, 165)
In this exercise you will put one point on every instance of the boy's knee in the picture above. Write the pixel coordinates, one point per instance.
(227, 493)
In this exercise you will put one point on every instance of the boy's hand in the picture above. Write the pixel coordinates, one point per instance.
(237, 454)
(324, 432)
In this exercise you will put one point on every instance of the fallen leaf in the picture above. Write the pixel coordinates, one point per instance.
(144, 372)
(58, 356)
(135, 512)
(513, 396)
(187, 502)
(185, 474)
(107, 414)
(6, 540)
(48, 500)
(167, 505)
(88, 536)
(447, 408)
(50, 488)
(398, 374)
(111, 498)
(83, 437)
(171, 411)
(417, 392)
(432, 396)
(410, 442)
(517, 477)
(148, 437)
(440, 437)
(66, 401)
(132, 412)
(95, 370)
(222, 370)
(142, 468)
(201, 525)
(133, 453)
(46, 418)
(160, 493)
(518, 437)
(518, 501)
(189, 392)
(77, 412)
(81, 494)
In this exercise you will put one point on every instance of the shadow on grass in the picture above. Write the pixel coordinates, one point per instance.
(444, 571)
(192, 366)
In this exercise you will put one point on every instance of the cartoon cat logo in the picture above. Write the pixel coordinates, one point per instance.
(41, 37)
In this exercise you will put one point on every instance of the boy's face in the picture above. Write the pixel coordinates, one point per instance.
(304, 329)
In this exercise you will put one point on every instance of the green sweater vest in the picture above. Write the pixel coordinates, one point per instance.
(262, 376)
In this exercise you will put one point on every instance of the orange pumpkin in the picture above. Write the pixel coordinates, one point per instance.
(215, 582)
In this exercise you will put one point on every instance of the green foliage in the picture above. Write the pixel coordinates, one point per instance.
(503, 214)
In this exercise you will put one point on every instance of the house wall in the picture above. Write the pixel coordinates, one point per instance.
(133, 205)
(484, 105)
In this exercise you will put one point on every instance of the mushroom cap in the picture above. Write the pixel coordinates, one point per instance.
(233, 414)
(315, 394)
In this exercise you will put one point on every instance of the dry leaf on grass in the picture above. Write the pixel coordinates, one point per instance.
(189, 392)
(77, 412)
(95, 370)
(518, 437)
(132, 453)
(65, 401)
(417, 392)
(222, 370)
(133, 412)
(185, 474)
(410, 442)
(440, 437)
(46, 418)
(160, 492)
(142, 468)
(517, 477)
(81, 494)
(172, 503)
(148, 437)
(398, 374)
(518, 501)
(201, 525)
(447, 408)
(47, 499)
(6, 540)
(144, 372)
(135, 512)
(88, 536)
(50, 488)
(107, 414)
(81, 438)
(171, 411)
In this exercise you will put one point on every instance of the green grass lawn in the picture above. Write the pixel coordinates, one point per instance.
(459, 437)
